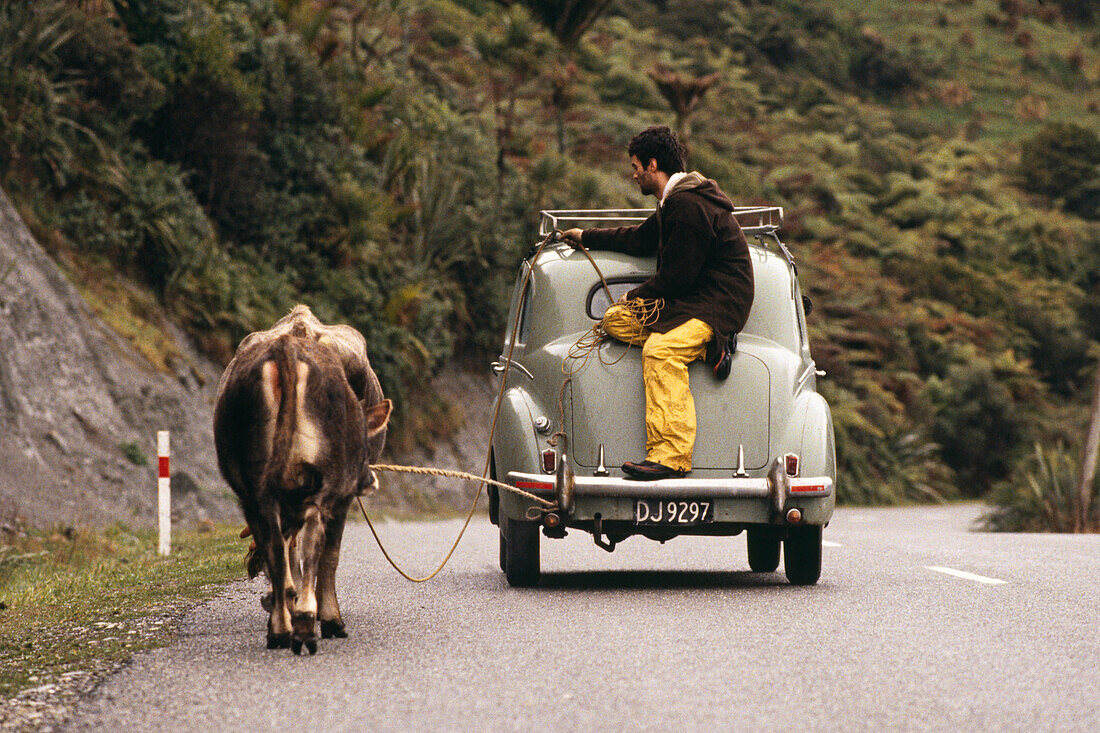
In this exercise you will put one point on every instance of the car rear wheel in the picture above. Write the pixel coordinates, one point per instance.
(503, 551)
(521, 552)
(763, 551)
(802, 554)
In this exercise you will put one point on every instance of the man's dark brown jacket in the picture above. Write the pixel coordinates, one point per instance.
(703, 265)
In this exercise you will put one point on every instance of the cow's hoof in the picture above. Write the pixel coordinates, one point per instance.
(278, 641)
(310, 644)
(333, 630)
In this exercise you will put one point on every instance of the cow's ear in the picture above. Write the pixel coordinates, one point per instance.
(377, 416)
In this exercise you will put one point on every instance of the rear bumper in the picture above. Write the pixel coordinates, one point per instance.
(760, 500)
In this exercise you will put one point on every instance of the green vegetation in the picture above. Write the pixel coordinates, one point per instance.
(74, 599)
(384, 161)
(1063, 161)
(1046, 501)
(134, 454)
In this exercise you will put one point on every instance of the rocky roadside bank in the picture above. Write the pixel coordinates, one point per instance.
(80, 409)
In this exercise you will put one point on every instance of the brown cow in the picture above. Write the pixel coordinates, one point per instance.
(299, 418)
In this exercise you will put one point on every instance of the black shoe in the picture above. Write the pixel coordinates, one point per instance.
(722, 368)
(725, 359)
(650, 471)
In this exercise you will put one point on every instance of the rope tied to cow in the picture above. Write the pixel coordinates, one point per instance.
(482, 480)
(448, 473)
(645, 311)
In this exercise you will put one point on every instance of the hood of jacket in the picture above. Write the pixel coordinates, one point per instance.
(701, 186)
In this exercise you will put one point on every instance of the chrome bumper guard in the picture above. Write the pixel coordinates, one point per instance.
(777, 487)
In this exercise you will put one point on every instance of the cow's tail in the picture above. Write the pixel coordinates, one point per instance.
(283, 474)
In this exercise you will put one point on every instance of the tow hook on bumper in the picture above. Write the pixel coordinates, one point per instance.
(565, 489)
(597, 535)
(779, 487)
(565, 485)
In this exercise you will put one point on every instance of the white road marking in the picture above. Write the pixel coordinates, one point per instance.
(966, 576)
(827, 543)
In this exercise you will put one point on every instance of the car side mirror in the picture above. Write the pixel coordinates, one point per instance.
(807, 305)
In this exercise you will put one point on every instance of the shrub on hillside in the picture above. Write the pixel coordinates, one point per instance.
(1062, 160)
(978, 425)
(44, 140)
(1045, 500)
(151, 227)
(883, 70)
(1085, 199)
(1084, 11)
(628, 89)
(808, 37)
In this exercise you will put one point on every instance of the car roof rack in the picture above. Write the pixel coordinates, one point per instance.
(753, 219)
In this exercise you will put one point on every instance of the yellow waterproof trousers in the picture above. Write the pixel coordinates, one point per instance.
(669, 407)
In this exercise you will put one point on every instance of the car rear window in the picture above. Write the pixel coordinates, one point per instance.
(597, 302)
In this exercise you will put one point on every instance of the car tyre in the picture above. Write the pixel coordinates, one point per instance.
(521, 552)
(802, 554)
(503, 551)
(763, 550)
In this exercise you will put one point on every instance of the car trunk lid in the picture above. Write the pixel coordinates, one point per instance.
(607, 401)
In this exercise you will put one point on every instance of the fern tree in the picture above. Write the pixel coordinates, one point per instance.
(567, 21)
(683, 92)
(513, 51)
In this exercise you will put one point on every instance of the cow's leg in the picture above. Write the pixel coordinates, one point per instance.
(295, 561)
(332, 625)
(283, 591)
(311, 539)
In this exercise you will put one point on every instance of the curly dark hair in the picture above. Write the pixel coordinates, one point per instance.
(659, 143)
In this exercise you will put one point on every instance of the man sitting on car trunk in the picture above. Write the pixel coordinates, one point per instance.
(700, 294)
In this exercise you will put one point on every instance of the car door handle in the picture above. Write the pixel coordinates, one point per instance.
(498, 367)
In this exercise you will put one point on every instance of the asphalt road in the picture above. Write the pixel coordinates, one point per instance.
(656, 637)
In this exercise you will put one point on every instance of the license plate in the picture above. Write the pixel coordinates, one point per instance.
(675, 512)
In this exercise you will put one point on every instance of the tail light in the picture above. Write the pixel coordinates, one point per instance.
(790, 462)
(549, 461)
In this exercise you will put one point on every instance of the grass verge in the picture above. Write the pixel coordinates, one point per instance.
(72, 601)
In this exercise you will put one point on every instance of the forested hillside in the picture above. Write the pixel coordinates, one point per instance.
(215, 161)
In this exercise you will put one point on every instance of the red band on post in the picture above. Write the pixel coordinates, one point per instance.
(164, 466)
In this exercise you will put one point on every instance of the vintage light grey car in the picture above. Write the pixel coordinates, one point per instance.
(764, 459)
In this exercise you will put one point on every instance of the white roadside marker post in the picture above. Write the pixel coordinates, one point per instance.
(164, 495)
